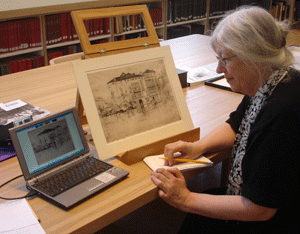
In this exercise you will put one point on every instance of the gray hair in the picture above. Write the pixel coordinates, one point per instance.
(254, 36)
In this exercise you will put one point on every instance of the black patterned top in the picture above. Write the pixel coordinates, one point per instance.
(266, 152)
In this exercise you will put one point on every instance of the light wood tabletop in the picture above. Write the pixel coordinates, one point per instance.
(54, 88)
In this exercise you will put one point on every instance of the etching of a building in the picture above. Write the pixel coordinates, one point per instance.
(130, 91)
(51, 138)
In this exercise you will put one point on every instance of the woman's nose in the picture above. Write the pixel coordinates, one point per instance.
(220, 68)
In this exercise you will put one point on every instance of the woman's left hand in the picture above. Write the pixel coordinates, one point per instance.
(172, 186)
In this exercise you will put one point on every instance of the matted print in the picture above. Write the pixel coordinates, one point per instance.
(132, 99)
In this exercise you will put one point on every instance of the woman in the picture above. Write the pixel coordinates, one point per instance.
(264, 133)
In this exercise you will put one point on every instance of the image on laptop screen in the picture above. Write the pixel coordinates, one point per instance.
(50, 142)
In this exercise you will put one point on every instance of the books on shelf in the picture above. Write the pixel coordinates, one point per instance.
(179, 11)
(31, 61)
(219, 7)
(59, 28)
(280, 10)
(156, 16)
(21, 63)
(19, 35)
(135, 22)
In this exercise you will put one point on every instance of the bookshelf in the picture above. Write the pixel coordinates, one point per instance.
(176, 18)
(283, 10)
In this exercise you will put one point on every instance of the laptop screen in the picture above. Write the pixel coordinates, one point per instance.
(50, 141)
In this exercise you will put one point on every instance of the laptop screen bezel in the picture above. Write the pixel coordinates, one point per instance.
(18, 149)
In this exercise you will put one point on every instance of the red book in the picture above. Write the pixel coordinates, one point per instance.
(58, 28)
(136, 22)
(101, 26)
(159, 17)
(33, 33)
(29, 29)
(24, 34)
(4, 47)
(34, 62)
(49, 29)
(96, 27)
(106, 24)
(54, 26)
(28, 63)
(69, 26)
(151, 12)
(91, 27)
(64, 27)
(74, 33)
(38, 32)
(87, 27)
(13, 66)
(15, 35)
(11, 41)
(40, 61)
(69, 49)
(22, 65)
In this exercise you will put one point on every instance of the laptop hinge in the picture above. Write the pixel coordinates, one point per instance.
(32, 181)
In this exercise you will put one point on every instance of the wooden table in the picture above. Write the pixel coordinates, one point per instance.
(54, 88)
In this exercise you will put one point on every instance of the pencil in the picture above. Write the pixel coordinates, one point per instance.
(187, 160)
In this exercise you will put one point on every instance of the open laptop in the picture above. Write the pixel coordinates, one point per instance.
(54, 146)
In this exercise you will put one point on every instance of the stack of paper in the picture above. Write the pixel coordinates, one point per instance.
(17, 216)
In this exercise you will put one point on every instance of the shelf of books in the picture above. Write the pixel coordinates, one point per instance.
(192, 17)
(23, 45)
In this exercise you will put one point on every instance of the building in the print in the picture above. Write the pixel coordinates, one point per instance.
(130, 91)
(51, 138)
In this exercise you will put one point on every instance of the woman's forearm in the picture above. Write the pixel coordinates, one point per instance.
(221, 138)
(226, 207)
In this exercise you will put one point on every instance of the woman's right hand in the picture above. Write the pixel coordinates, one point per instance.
(186, 149)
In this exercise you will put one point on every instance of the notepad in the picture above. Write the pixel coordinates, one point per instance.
(17, 216)
(157, 161)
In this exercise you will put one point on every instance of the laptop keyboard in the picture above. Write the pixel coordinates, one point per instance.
(70, 177)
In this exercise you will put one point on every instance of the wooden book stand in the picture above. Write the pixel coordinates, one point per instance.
(116, 47)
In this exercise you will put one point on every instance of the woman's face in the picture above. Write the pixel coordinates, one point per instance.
(240, 76)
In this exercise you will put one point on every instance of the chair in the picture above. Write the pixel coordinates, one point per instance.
(67, 58)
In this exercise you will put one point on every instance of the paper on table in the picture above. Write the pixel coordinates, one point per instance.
(18, 217)
(201, 74)
(296, 52)
(157, 161)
